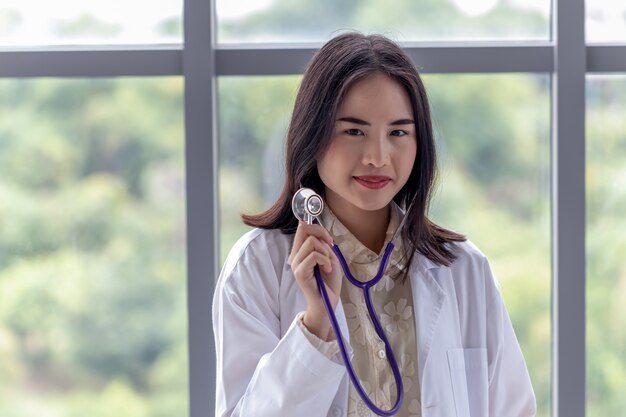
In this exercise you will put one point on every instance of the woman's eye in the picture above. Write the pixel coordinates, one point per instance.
(399, 133)
(354, 132)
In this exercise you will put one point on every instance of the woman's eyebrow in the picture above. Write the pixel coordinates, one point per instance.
(353, 120)
(402, 122)
(363, 122)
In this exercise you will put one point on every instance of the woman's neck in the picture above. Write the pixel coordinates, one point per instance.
(368, 227)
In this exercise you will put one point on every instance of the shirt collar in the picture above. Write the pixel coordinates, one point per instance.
(357, 251)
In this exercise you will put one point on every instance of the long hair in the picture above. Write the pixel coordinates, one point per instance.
(332, 71)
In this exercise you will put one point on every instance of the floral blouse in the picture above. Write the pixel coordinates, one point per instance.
(393, 302)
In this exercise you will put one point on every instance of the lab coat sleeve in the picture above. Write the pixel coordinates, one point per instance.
(510, 390)
(258, 372)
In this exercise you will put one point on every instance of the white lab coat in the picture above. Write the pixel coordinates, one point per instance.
(469, 361)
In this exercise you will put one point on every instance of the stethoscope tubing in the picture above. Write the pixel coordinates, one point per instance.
(365, 286)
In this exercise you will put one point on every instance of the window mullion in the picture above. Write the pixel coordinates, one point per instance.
(198, 67)
(568, 209)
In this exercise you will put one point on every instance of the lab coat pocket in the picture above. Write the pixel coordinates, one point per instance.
(468, 375)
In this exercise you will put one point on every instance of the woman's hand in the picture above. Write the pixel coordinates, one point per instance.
(311, 248)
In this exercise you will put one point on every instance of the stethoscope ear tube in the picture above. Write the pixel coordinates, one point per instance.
(379, 329)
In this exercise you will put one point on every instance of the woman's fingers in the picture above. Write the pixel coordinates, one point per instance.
(311, 244)
(305, 230)
(304, 269)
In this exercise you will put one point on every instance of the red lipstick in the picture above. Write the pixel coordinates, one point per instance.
(373, 182)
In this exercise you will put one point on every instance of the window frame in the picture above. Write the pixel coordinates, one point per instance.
(199, 59)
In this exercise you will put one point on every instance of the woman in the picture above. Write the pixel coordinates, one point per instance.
(361, 136)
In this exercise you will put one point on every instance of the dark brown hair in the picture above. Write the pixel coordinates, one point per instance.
(331, 72)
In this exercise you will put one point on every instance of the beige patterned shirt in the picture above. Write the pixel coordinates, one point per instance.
(393, 302)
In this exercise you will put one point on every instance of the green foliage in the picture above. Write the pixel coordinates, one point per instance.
(606, 270)
(92, 256)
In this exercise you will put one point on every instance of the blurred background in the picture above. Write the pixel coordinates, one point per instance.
(93, 303)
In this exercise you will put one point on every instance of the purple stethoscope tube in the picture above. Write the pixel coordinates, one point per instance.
(306, 206)
(365, 286)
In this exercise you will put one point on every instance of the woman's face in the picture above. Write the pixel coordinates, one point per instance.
(372, 148)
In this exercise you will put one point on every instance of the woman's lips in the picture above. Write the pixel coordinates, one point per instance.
(373, 182)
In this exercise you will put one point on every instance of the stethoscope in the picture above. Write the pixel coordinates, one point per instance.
(307, 206)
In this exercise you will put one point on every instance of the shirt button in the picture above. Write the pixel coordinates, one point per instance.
(382, 354)
(336, 412)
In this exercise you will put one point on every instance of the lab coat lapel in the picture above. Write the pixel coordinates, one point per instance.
(341, 319)
(343, 326)
(428, 298)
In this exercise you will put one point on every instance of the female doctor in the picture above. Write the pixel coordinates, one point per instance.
(361, 137)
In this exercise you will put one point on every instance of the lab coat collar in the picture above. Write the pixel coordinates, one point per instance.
(425, 262)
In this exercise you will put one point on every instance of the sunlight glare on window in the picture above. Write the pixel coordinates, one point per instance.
(73, 22)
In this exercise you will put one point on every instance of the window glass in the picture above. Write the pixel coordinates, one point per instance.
(605, 21)
(25, 23)
(606, 245)
(405, 20)
(93, 315)
(493, 134)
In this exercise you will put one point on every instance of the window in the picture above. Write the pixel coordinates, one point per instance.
(606, 222)
(92, 248)
(28, 23)
(92, 170)
(605, 21)
(288, 21)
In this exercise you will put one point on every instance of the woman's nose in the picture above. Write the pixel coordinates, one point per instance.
(376, 150)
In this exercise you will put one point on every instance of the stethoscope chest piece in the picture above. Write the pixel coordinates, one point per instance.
(307, 205)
